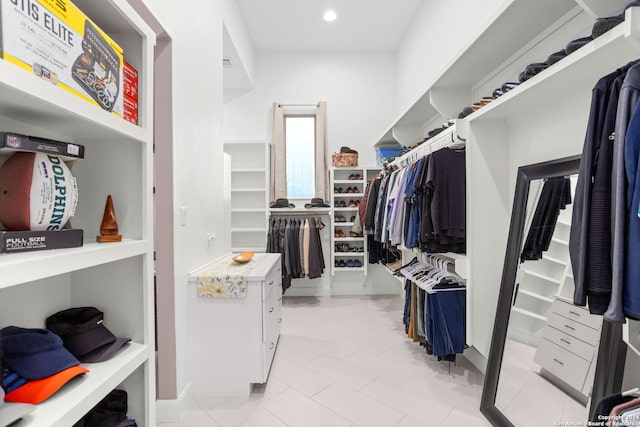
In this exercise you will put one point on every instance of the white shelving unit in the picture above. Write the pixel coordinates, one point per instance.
(249, 194)
(117, 278)
(340, 182)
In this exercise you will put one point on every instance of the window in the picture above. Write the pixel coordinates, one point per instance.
(299, 152)
(300, 136)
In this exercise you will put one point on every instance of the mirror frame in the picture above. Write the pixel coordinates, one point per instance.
(611, 351)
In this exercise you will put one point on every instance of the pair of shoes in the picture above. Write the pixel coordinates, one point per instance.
(354, 234)
(340, 218)
(353, 203)
(343, 247)
(356, 249)
(353, 190)
(341, 263)
(355, 176)
(352, 219)
(340, 204)
(338, 190)
(339, 234)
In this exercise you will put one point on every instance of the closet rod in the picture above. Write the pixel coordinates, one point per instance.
(447, 138)
(298, 105)
(312, 213)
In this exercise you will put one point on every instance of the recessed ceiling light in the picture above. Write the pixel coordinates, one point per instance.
(330, 16)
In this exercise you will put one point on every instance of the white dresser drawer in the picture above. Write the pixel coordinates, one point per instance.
(566, 341)
(563, 364)
(273, 280)
(573, 328)
(269, 352)
(575, 313)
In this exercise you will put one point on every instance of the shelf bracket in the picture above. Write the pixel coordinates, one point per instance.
(632, 30)
(407, 135)
(601, 9)
(449, 102)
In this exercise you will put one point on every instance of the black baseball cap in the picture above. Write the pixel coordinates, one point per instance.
(84, 334)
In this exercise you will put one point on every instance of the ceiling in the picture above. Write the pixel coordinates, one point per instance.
(297, 25)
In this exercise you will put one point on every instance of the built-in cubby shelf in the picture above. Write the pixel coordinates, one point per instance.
(341, 218)
(249, 180)
(116, 278)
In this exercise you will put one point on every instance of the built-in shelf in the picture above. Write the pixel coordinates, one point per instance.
(535, 295)
(115, 277)
(542, 276)
(249, 182)
(338, 177)
(479, 59)
(17, 268)
(82, 393)
(248, 190)
(528, 313)
(579, 69)
(249, 170)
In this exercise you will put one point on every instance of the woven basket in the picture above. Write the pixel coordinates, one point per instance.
(340, 160)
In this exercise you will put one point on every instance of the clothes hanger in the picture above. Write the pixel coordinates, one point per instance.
(633, 392)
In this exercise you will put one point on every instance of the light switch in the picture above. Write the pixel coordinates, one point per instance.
(183, 216)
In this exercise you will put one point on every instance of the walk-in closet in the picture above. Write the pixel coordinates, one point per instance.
(302, 213)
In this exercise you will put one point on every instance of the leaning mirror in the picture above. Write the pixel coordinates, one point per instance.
(543, 366)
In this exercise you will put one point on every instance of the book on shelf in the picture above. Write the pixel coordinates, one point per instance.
(34, 240)
(11, 142)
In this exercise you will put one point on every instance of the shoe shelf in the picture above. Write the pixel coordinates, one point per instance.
(342, 182)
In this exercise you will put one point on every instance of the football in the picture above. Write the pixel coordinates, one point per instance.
(37, 192)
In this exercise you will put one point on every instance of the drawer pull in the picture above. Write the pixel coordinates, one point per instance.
(279, 298)
(565, 341)
(280, 320)
(574, 313)
(271, 283)
(271, 310)
(558, 361)
(271, 346)
(570, 327)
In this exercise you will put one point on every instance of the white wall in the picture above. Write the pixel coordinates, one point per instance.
(238, 33)
(359, 89)
(197, 147)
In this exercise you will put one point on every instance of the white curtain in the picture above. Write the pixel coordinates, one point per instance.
(278, 181)
(322, 174)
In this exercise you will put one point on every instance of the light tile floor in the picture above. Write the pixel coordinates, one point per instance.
(345, 361)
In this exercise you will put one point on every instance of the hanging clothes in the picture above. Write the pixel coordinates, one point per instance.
(298, 241)
(434, 312)
(602, 230)
(555, 196)
(446, 188)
